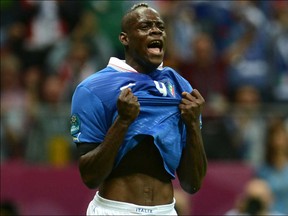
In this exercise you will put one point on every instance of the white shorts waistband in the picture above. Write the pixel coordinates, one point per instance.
(132, 208)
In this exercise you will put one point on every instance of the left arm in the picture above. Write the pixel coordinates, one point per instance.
(193, 162)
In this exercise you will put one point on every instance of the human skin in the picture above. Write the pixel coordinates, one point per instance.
(140, 177)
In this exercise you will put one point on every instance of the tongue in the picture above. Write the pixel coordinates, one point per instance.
(154, 50)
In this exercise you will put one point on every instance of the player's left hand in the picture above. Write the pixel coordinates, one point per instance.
(191, 106)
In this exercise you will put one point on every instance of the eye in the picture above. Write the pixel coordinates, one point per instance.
(144, 26)
(161, 27)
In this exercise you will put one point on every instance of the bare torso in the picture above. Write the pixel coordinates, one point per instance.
(140, 178)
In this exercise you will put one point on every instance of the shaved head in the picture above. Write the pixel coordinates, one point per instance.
(127, 17)
(143, 37)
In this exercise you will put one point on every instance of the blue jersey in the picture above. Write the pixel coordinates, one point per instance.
(159, 94)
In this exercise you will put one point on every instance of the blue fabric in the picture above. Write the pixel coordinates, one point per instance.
(278, 182)
(159, 94)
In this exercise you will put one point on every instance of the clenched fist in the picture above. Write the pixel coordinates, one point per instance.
(191, 106)
(128, 106)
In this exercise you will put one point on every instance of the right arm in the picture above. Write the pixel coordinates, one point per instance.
(95, 165)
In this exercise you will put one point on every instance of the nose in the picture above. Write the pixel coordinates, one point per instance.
(156, 30)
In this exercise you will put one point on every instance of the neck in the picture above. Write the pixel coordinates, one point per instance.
(141, 66)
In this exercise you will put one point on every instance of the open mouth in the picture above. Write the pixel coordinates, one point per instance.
(155, 46)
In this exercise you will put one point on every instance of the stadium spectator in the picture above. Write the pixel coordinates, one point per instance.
(9, 208)
(256, 199)
(205, 70)
(278, 50)
(79, 54)
(247, 125)
(274, 169)
(14, 108)
(248, 52)
(48, 140)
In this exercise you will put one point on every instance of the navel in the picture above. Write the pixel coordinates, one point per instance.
(148, 195)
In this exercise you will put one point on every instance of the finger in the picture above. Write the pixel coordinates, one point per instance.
(187, 101)
(125, 92)
(196, 94)
(134, 98)
(188, 96)
(184, 94)
(182, 107)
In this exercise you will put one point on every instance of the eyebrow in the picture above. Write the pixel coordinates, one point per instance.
(157, 21)
(150, 22)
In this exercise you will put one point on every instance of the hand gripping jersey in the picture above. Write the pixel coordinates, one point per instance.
(159, 94)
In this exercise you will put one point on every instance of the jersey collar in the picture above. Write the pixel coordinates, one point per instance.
(120, 65)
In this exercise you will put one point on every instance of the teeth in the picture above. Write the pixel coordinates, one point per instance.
(156, 43)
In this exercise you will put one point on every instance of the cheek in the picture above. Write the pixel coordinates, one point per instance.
(138, 46)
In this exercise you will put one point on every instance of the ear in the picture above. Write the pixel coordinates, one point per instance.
(124, 38)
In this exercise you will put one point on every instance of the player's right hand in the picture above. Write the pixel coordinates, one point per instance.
(128, 106)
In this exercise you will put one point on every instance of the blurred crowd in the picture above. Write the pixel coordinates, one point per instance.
(234, 52)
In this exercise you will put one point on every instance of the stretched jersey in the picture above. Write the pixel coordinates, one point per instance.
(159, 94)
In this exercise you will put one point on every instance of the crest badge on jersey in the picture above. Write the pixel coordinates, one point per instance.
(171, 88)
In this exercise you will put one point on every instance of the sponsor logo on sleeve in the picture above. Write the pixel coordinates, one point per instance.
(74, 125)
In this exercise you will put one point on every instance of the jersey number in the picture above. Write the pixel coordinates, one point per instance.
(161, 88)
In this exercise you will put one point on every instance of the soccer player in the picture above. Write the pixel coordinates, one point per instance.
(137, 125)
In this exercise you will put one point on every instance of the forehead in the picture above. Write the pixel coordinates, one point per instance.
(146, 14)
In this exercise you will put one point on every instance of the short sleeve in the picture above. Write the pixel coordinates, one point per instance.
(87, 123)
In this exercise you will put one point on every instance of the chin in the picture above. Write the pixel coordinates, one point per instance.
(156, 60)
